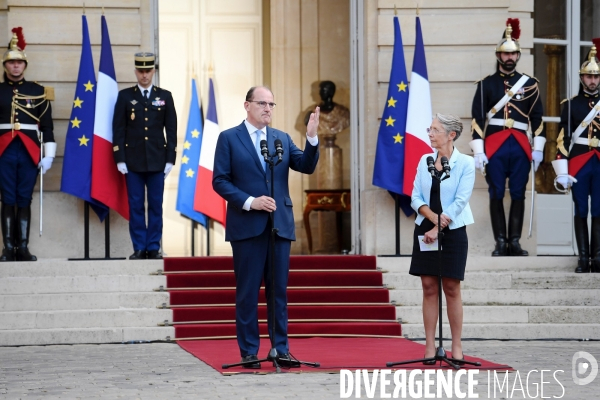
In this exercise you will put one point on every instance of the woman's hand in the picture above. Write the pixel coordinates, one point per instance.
(444, 219)
(430, 236)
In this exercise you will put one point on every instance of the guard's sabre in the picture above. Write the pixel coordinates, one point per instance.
(41, 182)
(532, 199)
(483, 118)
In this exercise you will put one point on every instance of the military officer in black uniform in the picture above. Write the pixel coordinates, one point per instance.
(505, 106)
(25, 123)
(144, 144)
(577, 162)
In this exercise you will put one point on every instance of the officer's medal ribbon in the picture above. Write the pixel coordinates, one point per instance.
(132, 114)
(28, 105)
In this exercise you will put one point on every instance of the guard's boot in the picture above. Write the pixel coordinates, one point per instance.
(595, 244)
(23, 223)
(515, 226)
(8, 232)
(498, 227)
(583, 244)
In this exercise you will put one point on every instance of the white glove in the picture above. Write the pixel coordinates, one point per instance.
(537, 156)
(480, 161)
(168, 168)
(564, 181)
(122, 167)
(45, 164)
(479, 154)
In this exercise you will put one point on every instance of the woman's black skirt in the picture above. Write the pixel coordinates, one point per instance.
(455, 245)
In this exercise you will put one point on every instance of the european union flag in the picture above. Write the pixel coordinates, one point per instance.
(190, 158)
(77, 162)
(388, 172)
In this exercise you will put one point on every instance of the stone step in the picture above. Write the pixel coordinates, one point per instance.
(506, 280)
(20, 337)
(489, 263)
(80, 284)
(123, 317)
(510, 331)
(514, 297)
(511, 315)
(63, 267)
(82, 301)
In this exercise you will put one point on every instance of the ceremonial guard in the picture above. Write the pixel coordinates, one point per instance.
(25, 124)
(577, 162)
(506, 105)
(144, 144)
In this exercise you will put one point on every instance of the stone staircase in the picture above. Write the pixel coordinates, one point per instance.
(508, 298)
(57, 302)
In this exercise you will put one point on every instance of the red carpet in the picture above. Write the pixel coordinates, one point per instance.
(327, 296)
(332, 353)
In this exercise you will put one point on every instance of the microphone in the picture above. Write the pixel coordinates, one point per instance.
(264, 150)
(431, 166)
(279, 150)
(446, 166)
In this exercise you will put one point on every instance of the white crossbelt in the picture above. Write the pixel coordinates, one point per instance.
(30, 127)
(593, 142)
(509, 123)
(584, 124)
(507, 96)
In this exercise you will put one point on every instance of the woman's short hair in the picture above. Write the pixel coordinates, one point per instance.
(451, 123)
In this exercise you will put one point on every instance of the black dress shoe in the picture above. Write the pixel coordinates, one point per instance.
(251, 357)
(138, 255)
(429, 362)
(154, 255)
(286, 361)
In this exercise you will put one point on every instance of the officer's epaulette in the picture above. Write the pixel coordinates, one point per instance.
(36, 82)
(565, 100)
(155, 88)
(476, 82)
(533, 77)
(135, 88)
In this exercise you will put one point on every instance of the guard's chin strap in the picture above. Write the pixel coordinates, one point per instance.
(586, 89)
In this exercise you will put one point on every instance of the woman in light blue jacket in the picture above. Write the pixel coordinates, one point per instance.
(449, 198)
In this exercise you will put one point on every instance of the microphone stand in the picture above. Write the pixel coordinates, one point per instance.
(440, 353)
(273, 355)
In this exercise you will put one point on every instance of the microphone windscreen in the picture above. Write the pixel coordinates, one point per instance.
(444, 160)
(263, 143)
(278, 143)
(429, 160)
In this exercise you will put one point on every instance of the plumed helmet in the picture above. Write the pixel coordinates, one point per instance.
(15, 47)
(590, 66)
(509, 42)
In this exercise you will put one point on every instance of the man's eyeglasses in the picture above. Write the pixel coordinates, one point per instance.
(434, 130)
(263, 104)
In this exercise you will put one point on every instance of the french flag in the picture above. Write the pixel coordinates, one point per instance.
(419, 115)
(108, 184)
(206, 200)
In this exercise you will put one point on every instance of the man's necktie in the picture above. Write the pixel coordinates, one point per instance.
(257, 146)
(146, 94)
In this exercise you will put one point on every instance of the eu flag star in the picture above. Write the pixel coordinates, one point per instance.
(195, 133)
(187, 145)
(402, 87)
(77, 102)
(189, 173)
(398, 138)
(392, 102)
(83, 141)
(390, 121)
(75, 123)
(89, 86)
(185, 159)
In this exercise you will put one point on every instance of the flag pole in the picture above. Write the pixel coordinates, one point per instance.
(207, 236)
(397, 229)
(193, 236)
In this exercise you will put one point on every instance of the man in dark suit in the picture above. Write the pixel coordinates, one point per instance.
(142, 151)
(241, 177)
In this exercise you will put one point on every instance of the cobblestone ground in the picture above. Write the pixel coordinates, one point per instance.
(165, 371)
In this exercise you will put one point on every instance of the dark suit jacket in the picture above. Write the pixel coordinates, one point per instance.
(141, 142)
(238, 174)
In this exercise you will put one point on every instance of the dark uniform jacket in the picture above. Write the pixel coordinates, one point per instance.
(525, 105)
(139, 128)
(580, 107)
(34, 110)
